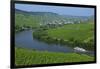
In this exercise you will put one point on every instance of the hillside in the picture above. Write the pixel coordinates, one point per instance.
(37, 19)
(31, 57)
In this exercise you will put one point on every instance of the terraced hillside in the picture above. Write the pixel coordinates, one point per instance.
(31, 57)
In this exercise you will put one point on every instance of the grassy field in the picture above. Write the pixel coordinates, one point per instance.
(80, 32)
(32, 57)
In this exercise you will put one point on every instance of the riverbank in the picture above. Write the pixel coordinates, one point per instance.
(25, 56)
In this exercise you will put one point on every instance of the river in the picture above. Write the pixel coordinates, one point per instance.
(25, 39)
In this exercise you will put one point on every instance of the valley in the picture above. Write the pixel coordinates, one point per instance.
(42, 37)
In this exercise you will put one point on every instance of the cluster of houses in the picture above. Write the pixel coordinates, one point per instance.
(59, 23)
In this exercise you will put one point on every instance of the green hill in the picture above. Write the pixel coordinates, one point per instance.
(37, 19)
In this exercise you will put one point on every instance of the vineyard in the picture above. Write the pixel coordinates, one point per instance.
(33, 57)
